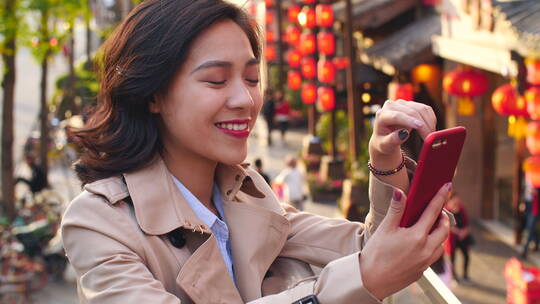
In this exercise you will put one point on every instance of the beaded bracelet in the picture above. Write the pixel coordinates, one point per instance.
(389, 172)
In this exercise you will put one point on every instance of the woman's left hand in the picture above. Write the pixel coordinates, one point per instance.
(393, 124)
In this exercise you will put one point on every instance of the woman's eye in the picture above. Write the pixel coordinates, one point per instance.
(253, 81)
(216, 82)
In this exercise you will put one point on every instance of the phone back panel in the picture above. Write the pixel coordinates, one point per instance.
(436, 166)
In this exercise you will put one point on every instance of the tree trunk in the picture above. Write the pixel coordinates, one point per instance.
(88, 41)
(44, 139)
(70, 85)
(8, 86)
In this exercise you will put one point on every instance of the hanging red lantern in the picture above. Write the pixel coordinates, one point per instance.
(324, 15)
(270, 52)
(533, 137)
(532, 98)
(398, 90)
(308, 1)
(341, 62)
(306, 17)
(294, 80)
(326, 71)
(269, 36)
(327, 98)
(293, 58)
(307, 44)
(309, 68)
(506, 101)
(309, 93)
(292, 13)
(269, 17)
(465, 83)
(425, 73)
(326, 43)
(531, 166)
(293, 35)
(269, 3)
(533, 71)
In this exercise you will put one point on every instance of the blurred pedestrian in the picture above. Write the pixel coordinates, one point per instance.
(460, 236)
(259, 168)
(532, 208)
(269, 113)
(38, 179)
(292, 179)
(283, 111)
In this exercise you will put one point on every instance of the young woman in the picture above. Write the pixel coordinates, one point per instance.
(169, 214)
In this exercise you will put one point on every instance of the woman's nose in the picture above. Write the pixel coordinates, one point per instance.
(240, 96)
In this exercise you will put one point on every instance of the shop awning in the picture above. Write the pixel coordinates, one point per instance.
(521, 20)
(404, 49)
(370, 14)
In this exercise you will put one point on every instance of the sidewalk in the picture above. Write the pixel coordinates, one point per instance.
(488, 256)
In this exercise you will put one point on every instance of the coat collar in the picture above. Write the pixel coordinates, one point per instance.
(159, 205)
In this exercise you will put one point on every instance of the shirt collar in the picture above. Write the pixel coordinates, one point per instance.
(198, 207)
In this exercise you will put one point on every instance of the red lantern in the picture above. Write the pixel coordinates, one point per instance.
(531, 166)
(292, 13)
(309, 69)
(506, 101)
(341, 62)
(465, 83)
(403, 91)
(269, 17)
(306, 17)
(309, 93)
(307, 44)
(294, 80)
(533, 137)
(269, 3)
(293, 34)
(293, 58)
(533, 71)
(324, 15)
(327, 99)
(308, 1)
(326, 43)
(326, 71)
(532, 98)
(270, 52)
(269, 36)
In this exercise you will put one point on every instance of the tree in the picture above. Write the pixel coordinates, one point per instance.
(8, 33)
(45, 42)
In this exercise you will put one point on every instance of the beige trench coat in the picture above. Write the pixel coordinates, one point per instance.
(121, 254)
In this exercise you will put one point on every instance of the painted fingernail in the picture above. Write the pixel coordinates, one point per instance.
(418, 123)
(396, 196)
(403, 134)
(448, 187)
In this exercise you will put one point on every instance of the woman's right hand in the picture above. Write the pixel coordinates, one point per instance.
(395, 257)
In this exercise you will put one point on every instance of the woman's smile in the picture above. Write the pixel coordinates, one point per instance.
(237, 128)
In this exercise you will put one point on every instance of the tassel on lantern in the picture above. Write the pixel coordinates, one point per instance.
(465, 106)
(517, 127)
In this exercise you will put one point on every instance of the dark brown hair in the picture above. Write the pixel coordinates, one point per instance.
(137, 62)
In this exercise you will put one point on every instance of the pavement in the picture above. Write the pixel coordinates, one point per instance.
(492, 250)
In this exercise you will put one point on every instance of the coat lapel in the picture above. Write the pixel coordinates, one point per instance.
(257, 237)
(204, 276)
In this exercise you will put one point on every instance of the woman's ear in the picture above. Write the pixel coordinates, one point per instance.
(154, 105)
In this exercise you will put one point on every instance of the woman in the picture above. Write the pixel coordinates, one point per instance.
(170, 215)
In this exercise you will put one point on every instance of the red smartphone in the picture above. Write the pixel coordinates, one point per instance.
(436, 165)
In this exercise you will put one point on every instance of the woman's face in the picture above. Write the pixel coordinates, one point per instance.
(213, 101)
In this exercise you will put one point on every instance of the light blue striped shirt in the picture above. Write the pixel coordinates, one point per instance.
(217, 226)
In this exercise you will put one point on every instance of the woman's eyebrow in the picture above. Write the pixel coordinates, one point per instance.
(252, 61)
(212, 64)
